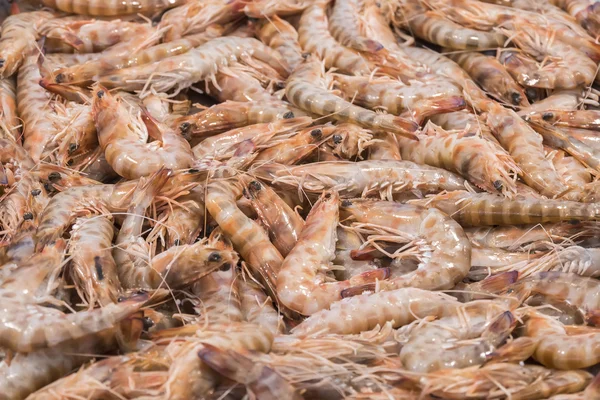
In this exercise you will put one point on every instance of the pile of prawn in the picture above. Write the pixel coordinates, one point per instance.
(288, 199)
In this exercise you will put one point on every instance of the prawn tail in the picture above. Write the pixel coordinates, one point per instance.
(366, 282)
(499, 330)
(519, 349)
(228, 363)
(496, 283)
(149, 187)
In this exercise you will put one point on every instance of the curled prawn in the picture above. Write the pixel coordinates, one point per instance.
(127, 155)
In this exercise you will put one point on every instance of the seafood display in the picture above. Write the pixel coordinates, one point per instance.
(299, 199)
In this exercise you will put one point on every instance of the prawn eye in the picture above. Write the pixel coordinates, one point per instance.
(327, 196)
(60, 78)
(516, 97)
(69, 162)
(100, 94)
(72, 147)
(305, 55)
(54, 176)
(1, 62)
(27, 216)
(346, 203)
(214, 257)
(288, 115)
(225, 267)
(184, 126)
(255, 185)
(36, 192)
(337, 139)
(316, 133)
(498, 185)
(147, 323)
(547, 116)
(176, 242)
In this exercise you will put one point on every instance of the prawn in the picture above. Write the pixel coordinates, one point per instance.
(481, 325)
(351, 179)
(345, 26)
(29, 327)
(492, 76)
(301, 284)
(444, 254)
(557, 348)
(19, 36)
(101, 8)
(219, 295)
(8, 108)
(364, 312)
(127, 155)
(93, 267)
(307, 89)
(301, 145)
(478, 209)
(314, 37)
(584, 12)
(475, 158)
(258, 308)
(200, 63)
(524, 145)
(283, 224)
(417, 100)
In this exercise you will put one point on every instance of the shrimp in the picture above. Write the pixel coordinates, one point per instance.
(314, 37)
(8, 108)
(301, 284)
(349, 141)
(351, 179)
(93, 267)
(201, 63)
(479, 209)
(484, 324)
(418, 100)
(248, 238)
(19, 36)
(559, 349)
(581, 292)
(497, 381)
(306, 89)
(260, 380)
(366, 311)
(525, 147)
(345, 27)
(466, 122)
(89, 36)
(197, 16)
(34, 109)
(540, 42)
(176, 267)
(237, 83)
(28, 372)
(433, 27)
(474, 157)
(223, 146)
(283, 224)
(492, 76)
(258, 308)
(81, 73)
(101, 8)
(293, 150)
(127, 155)
(231, 115)
(444, 254)
(583, 119)
(28, 327)
(280, 35)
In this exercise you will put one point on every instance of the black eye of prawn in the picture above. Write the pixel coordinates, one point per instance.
(214, 257)
(100, 94)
